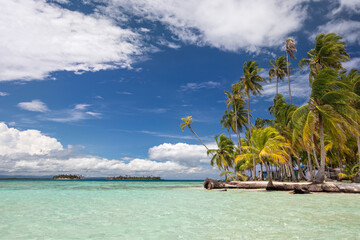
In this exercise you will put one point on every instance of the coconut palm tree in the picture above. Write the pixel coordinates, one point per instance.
(222, 156)
(227, 121)
(250, 83)
(268, 146)
(237, 102)
(187, 121)
(327, 112)
(329, 52)
(279, 70)
(290, 50)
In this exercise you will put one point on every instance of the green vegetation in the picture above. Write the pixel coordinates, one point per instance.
(147, 178)
(68, 176)
(325, 128)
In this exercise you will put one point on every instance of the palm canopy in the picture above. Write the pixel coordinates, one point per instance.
(251, 81)
(268, 146)
(329, 52)
(222, 156)
(187, 121)
(290, 47)
(279, 70)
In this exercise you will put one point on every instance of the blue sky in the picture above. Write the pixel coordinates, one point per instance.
(103, 84)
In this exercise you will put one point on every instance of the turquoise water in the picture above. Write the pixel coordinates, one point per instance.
(169, 210)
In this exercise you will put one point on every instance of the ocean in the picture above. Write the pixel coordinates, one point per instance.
(90, 209)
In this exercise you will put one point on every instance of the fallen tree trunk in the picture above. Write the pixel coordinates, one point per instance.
(284, 186)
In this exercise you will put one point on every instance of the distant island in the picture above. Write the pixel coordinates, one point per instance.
(68, 177)
(148, 178)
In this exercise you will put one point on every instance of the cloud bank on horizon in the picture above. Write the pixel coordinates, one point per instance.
(30, 152)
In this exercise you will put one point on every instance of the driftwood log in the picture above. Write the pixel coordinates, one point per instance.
(285, 186)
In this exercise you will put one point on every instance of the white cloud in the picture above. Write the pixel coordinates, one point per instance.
(34, 106)
(348, 29)
(190, 155)
(229, 25)
(50, 38)
(351, 6)
(94, 114)
(354, 63)
(82, 106)
(3, 94)
(32, 142)
(299, 86)
(197, 86)
(30, 152)
(124, 93)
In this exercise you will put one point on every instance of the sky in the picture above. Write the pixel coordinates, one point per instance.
(98, 88)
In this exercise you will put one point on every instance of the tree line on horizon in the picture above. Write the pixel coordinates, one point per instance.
(321, 134)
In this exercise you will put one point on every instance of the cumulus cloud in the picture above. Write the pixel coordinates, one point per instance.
(190, 155)
(30, 152)
(229, 25)
(50, 38)
(34, 106)
(348, 29)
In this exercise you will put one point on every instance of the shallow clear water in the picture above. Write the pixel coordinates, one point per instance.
(169, 210)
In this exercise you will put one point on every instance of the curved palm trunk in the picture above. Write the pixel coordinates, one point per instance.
(320, 176)
(268, 174)
(315, 158)
(288, 72)
(198, 137)
(311, 176)
(261, 172)
(249, 124)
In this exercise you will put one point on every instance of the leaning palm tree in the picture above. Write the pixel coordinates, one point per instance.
(187, 121)
(227, 121)
(268, 146)
(278, 70)
(290, 50)
(329, 52)
(327, 112)
(251, 84)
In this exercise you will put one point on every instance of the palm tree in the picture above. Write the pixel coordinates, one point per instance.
(278, 70)
(327, 112)
(268, 146)
(187, 121)
(222, 156)
(227, 121)
(290, 50)
(236, 100)
(251, 84)
(329, 52)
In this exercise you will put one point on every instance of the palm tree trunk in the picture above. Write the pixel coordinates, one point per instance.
(288, 72)
(320, 176)
(237, 129)
(301, 175)
(249, 124)
(311, 176)
(291, 167)
(316, 159)
(358, 145)
(268, 175)
(261, 172)
(277, 86)
(198, 137)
